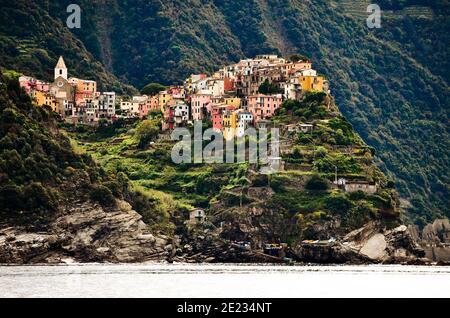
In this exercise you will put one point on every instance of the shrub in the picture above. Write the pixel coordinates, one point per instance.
(321, 152)
(37, 198)
(316, 182)
(338, 204)
(359, 214)
(147, 131)
(102, 195)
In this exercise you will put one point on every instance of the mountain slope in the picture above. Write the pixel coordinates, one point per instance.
(56, 203)
(31, 41)
(295, 204)
(391, 83)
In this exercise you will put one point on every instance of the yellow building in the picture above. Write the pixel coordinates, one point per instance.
(163, 98)
(51, 101)
(38, 97)
(311, 83)
(45, 98)
(229, 118)
(83, 86)
(233, 101)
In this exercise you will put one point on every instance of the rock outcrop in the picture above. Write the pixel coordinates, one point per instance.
(370, 244)
(434, 238)
(205, 246)
(85, 232)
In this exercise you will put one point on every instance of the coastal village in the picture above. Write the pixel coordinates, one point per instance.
(232, 99)
(236, 97)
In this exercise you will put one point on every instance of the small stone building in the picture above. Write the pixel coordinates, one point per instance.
(197, 216)
(306, 128)
(364, 186)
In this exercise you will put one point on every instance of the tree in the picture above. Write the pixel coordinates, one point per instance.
(321, 152)
(268, 88)
(264, 87)
(153, 89)
(147, 131)
(297, 57)
(316, 182)
(297, 153)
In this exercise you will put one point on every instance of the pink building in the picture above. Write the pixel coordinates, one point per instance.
(199, 104)
(217, 115)
(264, 106)
(177, 92)
(143, 109)
(31, 84)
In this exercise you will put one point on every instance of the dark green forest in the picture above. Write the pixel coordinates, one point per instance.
(391, 83)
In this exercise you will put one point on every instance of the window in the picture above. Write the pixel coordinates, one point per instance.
(60, 72)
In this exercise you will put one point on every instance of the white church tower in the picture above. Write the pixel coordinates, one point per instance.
(61, 69)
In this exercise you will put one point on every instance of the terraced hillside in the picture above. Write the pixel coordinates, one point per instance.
(391, 83)
(299, 202)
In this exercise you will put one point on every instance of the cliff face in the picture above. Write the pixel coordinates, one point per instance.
(435, 240)
(85, 232)
(56, 204)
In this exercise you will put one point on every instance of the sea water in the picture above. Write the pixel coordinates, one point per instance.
(188, 280)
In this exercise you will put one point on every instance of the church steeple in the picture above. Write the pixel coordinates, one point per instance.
(61, 69)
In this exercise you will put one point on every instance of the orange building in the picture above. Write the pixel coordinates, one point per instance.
(311, 83)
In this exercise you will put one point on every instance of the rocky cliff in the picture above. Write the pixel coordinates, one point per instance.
(85, 232)
(435, 240)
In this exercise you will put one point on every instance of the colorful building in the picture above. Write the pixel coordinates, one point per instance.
(229, 118)
(264, 106)
(199, 104)
(228, 84)
(106, 104)
(311, 83)
(216, 117)
(163, 98)
(234, 101)
(244, 121)
(178, 115)
(154, 103)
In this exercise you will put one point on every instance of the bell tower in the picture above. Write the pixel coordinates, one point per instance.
(61, 69)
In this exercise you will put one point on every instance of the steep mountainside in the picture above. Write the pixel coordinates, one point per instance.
(391, 83)
(31, 41)
(57, 204)
(242, 204)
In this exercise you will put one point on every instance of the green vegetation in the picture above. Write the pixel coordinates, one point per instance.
(42, 170)
(269, 88)
(153, 89)
(391, 83)
(313, 106)
(318, 183)
(35, 161)
(147, 131)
